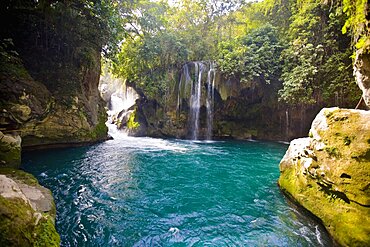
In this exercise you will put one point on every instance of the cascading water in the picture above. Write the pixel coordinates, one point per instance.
(119, 98)
(118, 113)
(287, 122)
(210, 99)
(195, 97)
(196, 94)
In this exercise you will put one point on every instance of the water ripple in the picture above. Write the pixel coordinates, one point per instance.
(154, 192)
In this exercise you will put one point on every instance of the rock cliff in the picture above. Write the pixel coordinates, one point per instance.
(27, 211)
(361, 66)
(242, 110)
(362, 71)
(328, 173)
(49, 77)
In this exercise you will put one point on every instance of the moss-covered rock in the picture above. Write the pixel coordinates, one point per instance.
(328, 173)
(242, 110)
(50, 95)
(27, 211)
(45, 118)
(10, 150)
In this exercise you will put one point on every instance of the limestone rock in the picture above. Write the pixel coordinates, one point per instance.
(329, 173)
(50, 111)
(10, 150)
(242, 110)
(27, 211)
(362, 73)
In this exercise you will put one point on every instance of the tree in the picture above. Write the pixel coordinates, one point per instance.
(255, 56)
(317, 67)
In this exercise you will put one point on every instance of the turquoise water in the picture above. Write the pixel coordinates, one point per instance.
(154, 192)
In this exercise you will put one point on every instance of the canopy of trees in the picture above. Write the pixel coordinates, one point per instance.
(305, 46)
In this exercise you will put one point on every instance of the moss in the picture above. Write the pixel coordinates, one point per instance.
(10, 151)
(11, 65)
(131, 123)
(46, 233)
(18, 220)
(17, 225)
(341, 221)
(333, 152)
(100, 131)
(19, 175)
(338, 194)
(10, 156)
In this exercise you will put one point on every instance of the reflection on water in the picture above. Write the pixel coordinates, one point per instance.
(154, 192)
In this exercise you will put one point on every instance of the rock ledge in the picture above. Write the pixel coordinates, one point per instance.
(27, 211)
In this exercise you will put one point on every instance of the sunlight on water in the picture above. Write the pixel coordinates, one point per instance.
(149, 144)
(155, 192)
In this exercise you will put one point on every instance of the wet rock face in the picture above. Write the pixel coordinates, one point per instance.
(328, 173)
(362, 73)
(27, 211)
(241, 111)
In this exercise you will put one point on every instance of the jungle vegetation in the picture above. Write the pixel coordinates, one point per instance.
(306, 47)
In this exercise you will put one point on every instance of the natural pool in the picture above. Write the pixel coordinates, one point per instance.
(154, 192)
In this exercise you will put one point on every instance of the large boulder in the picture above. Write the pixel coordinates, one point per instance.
(27, 211)
(328, 173)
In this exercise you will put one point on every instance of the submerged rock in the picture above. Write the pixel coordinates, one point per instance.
(328, 173)
(27, 211)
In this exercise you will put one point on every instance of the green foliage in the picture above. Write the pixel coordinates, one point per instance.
(144, 61)
(254, 56)
(356, 17)
(317, 65)
(299, 72)
(294, 42)
(10, 63)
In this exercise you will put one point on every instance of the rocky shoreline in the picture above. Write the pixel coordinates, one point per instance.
(27, 211)
(328, 173)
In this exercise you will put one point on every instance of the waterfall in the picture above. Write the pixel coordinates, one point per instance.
(191, 89)
(287, 122)
(210, 99)
(196, 94)
(118, 114)
(185, 81)
(120, 98)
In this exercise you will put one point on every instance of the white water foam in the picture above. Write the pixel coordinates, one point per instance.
(150, 144)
